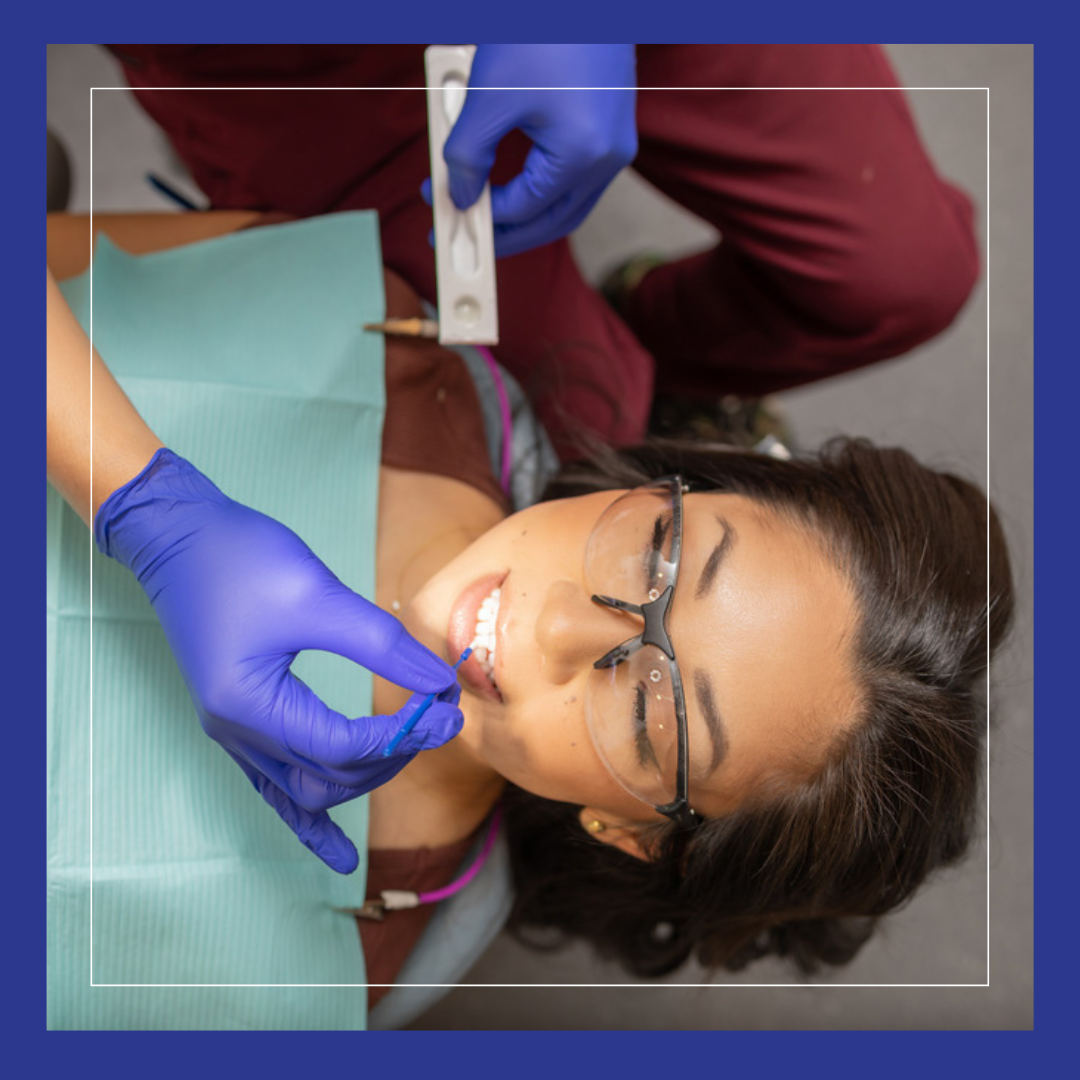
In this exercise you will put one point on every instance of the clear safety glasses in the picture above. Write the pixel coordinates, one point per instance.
(634, 703)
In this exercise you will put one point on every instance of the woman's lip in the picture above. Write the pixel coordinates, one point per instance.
(462, 627)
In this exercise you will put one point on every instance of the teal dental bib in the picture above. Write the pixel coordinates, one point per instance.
(176, 897)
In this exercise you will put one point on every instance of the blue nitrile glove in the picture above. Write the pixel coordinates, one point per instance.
(238, 596)
(581, 138)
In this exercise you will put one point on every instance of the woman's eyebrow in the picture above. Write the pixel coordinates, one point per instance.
(708, 574)
(713, 720)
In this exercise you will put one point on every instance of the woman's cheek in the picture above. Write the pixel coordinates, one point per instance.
(558, 756)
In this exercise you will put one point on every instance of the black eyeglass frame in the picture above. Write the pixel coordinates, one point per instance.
(655, 632)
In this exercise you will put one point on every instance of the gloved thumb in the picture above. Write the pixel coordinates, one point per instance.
(470, 148)
(345, 623)
(346, 751)
(441, 721)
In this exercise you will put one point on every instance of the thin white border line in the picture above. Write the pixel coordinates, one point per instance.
(91, 755)
(551, 986)
(901, 89)
(478, 986)
(987, 762)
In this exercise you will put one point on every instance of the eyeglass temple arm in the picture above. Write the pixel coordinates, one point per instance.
(620, 605)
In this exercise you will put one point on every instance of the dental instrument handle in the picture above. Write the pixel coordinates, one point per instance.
(422, 708)
(414, 327)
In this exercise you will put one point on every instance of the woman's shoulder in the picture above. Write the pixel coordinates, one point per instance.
(434, 421)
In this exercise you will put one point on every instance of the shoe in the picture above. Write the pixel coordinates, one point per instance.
(730, 420)
(619, 283)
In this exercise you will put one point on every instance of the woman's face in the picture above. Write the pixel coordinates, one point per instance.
(763, 650)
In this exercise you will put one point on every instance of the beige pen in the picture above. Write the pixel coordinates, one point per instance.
(414, 327)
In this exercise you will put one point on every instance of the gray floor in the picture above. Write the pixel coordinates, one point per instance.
(964, 400)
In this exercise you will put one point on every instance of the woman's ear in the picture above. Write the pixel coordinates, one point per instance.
(609, 829)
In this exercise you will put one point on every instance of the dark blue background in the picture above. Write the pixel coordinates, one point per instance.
(526, 1054)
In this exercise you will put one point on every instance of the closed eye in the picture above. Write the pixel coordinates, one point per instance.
(645, 753)
(661, 528)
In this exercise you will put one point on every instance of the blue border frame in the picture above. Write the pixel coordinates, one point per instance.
(537, 1053)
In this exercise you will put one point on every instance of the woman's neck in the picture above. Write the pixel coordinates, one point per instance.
(440, 797)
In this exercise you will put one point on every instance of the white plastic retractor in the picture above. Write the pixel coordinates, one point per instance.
(464, 240)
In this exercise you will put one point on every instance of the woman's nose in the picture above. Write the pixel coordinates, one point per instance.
(573, 631)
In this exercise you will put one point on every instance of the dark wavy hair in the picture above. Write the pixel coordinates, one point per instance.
(806, 869)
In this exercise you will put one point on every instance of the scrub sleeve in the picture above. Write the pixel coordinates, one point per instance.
(841, 245)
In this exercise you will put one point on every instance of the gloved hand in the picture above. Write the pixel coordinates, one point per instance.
(238, 596)
(581, 138)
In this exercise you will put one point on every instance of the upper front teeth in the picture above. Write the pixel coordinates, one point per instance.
(483, 642)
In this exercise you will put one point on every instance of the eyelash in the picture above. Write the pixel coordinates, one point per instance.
(652, 553)
(645, 753)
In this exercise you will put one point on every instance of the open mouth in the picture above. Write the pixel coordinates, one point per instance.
(483, 643)
(474, 624)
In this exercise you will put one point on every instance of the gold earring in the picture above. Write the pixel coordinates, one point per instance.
(595, 826)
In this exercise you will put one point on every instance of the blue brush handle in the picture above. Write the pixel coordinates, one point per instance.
(422, 708)
(170, 192)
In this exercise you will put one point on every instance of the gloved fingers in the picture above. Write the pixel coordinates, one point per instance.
(345, 623)
(542, 182)
(556, 221)
(547, 176)
(316, 831)
(550, 225)
(441, 722)
(313, 793)
(348, 751)
(469, 150)
(310, 792)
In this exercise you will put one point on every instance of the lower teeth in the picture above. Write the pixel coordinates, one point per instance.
(488, 668)
(483, 646)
